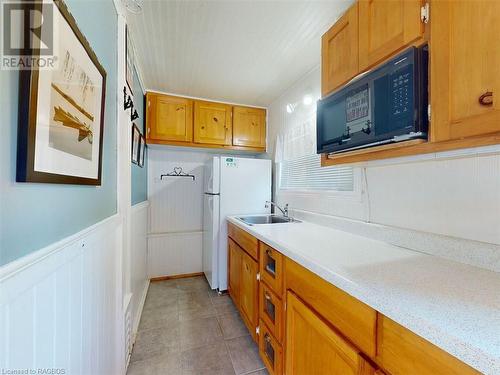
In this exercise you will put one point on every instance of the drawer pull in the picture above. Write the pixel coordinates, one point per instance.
(486, 99)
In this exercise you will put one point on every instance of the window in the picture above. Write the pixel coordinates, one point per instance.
(305, 173)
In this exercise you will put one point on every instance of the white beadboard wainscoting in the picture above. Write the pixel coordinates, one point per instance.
(138, 267)
(175, 212)
(174, 254)
(61, 307)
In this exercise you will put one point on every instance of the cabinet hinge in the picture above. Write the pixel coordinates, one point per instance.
(257, 330)
(258, 276)
(429, 112)
(424, 13)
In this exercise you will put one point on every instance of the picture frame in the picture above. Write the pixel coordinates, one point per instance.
(136, 143)
(61, 110)
(142, 151)
(129, 62)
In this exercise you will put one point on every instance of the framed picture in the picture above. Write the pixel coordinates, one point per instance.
(142, 151)
(129, 66)
(136, 140)
(61, 114)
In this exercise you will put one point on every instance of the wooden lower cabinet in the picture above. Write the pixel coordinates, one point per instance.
(249, 293)
(314, 348)
(235, 255)
(403, 352)
(312, 327)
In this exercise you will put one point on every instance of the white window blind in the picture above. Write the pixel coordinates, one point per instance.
(305, 173)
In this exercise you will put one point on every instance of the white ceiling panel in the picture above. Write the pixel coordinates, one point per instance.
(239, 51)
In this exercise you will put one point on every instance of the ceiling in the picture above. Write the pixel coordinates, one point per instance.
(246, 52)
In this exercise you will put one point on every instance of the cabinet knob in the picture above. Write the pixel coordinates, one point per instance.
(486, 99)
(202, 127)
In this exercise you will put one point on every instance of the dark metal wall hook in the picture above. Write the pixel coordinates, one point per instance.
(127, 100)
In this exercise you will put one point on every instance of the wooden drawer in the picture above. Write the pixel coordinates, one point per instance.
(271, 268)
(270, 350)
(400, 351)
(354, 319)
(246, 241)
(271, 311)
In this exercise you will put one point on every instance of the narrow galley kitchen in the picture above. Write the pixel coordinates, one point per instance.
(250, 187)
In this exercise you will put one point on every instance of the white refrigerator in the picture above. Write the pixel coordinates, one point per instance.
(232, 186)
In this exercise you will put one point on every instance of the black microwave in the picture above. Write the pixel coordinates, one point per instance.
(385, 105)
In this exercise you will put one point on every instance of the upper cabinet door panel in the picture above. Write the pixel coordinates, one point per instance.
(170, 118)
(212, 123)
(465, 69)
(249, 127)
(385, 26)
(339, 52)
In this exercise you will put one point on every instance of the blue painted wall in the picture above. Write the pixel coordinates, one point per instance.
(139, 175)
(33, 216)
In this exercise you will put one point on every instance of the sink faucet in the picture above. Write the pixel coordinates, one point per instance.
(284, 210)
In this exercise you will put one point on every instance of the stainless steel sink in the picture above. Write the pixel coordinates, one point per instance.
(267, 219)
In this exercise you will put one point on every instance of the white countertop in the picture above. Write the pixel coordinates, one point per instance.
(453, 305)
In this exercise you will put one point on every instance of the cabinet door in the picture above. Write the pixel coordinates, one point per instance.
(313, 347)
(465, 69)
(235, 254)
(212, 123)
(249, 127)
(169, 118)
(249, 293)
(385, 26)
(339, 52)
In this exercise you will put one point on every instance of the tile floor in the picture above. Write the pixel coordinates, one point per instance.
(186, 328)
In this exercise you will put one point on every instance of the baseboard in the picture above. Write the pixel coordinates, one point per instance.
(182, 276)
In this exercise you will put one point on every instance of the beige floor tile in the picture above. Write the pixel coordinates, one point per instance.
(199, 332)
(154, 301)
(232, 326)
(156, 341)
(219, 300)
(207, 360)
(224, 309)
(193, 283)
(259, 372)
(163, 364)
(198, 312)
(244, 355)
(193, 300)
(163, 316)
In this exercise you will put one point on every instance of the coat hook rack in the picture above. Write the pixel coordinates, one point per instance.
(177, 172)
(127, 100)
(134, 115)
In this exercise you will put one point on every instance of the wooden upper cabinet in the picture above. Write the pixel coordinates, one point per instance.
(249, 127)
(465, 69)
(339, 52)
(313, 347)
(212, 123)
(169, 118)
(386, 26)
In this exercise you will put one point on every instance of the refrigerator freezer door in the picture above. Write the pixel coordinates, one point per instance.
(245, 186)
(210, 238)
(212, 175)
